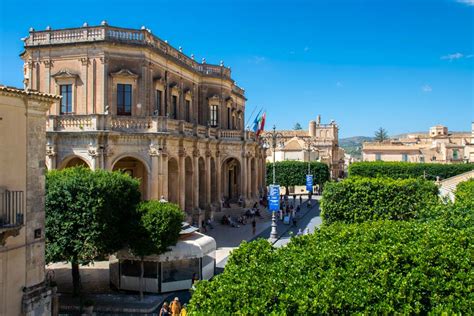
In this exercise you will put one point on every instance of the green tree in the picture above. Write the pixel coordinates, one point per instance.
(291, 173)
(87, 215)
(381, 135)
(154, 229)
(297, 127)
(464, 194)
(374, 267)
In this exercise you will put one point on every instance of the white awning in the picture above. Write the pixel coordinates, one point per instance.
(194, 245)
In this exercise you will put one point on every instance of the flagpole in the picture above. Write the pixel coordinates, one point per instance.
(247, 126)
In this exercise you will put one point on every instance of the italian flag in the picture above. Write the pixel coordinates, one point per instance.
(261, 127)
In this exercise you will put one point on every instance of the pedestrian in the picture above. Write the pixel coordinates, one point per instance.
(175, 307)
(299, 233)
(307, 231)
(164, 311)
(254, 226)
(301, 199)
(184, 311)
(294, 221)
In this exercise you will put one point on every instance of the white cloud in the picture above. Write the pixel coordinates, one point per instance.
(258, 59)
(452, 57)
(426, 88)
(468, 2)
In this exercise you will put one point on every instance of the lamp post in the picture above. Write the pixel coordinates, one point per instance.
(271, 140)
(310, 147)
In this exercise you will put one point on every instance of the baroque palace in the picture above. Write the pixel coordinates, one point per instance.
(132, 102)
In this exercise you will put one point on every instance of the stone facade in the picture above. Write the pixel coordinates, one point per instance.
(23, 138)
(436, 146)
(179, 125)
(319, 143)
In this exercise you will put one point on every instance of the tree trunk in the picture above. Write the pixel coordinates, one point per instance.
(76, 278)
(141, 278)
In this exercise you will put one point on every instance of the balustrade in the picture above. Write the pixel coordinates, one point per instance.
(136, 124)
(73, 122)
(12, 208)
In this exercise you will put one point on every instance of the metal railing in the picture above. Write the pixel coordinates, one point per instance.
(12, 208)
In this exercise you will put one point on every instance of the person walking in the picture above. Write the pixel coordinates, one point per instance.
(165, 310)
(184, 311)
(254, 226)
(175, 307)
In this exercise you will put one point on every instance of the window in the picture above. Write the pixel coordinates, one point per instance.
(124, 99)
(180, 270)
(174, 104)
(405, 157)
(158, 102)
(378, 157)
(455, 154)
(228, 118)
(213, 115)
(422, 159)
(187, 105)
(131, 268)
(66, 101)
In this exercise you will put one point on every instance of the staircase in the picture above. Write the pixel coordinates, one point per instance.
(448, 186)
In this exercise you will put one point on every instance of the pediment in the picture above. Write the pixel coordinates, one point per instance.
(65, 74)
(124, 73)
(293, 144)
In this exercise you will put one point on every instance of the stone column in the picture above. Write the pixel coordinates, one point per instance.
(105, 85)
(85, 79)
(195, 179)
(163, 177)
(243, 176)
(181, 179)
(218, 180)
(155, 166)
(208, 179)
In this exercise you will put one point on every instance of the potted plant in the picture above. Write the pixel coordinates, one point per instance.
(88, 306)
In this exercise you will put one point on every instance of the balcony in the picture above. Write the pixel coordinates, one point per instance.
(108, 33)
(145, 124)
(12, 210)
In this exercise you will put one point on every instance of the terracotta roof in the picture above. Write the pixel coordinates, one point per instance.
(33, 93)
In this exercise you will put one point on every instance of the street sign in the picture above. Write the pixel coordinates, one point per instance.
(309, 182)
(274, 198)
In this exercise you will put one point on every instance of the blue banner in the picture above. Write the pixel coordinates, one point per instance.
(274, 198)
(309, 182)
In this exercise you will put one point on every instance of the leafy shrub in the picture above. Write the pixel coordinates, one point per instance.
(404, 170)
(290, 173)
(355, 200)
(464, 194)
(379, 267)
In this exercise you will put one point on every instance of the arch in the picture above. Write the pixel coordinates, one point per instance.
(188, 185)
(74, 161)
(231, 178)
(201, 173)
(136, 169)
(173, 180)
(214, 197)
(134, 156)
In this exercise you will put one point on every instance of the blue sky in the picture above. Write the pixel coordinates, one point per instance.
(401, 64)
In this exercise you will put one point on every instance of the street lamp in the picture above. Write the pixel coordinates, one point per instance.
(310, 146)
(272, 140)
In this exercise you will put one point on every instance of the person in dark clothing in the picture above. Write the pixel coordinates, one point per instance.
(254, 226)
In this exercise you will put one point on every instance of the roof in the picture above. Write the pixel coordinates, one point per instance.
(5, 90)
(189, 246)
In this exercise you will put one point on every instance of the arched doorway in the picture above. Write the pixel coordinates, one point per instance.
(75, 162)
(231, 179)
(188, 179)
(214, 197)
(136, 169)
(202, 183)
(173, 180)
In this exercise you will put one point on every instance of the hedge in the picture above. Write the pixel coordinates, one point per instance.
(291, 173)
(356, 200)
(464, 194)
(404, 170)
(380, 267)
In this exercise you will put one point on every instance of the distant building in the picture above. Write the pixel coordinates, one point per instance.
(322, 140)
(436, 146)
(23, 137)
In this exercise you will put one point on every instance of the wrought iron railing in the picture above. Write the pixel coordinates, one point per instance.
(12, 208)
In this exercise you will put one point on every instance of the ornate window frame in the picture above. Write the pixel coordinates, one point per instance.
(65, 77)
(124, 76)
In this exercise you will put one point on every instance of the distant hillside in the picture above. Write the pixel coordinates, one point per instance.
(353, 145)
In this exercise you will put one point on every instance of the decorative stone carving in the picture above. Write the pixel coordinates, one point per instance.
(182, 152)
(108, 151)
(196, 152)
(124, 73)
(208, 153)
(48, 63)
(93, 151)
(154, 150)
(50, 150)
(65, 74)
(84, 61)
(104, 60)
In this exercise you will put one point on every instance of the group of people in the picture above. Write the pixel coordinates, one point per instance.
(173, 309)
(205, 224)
